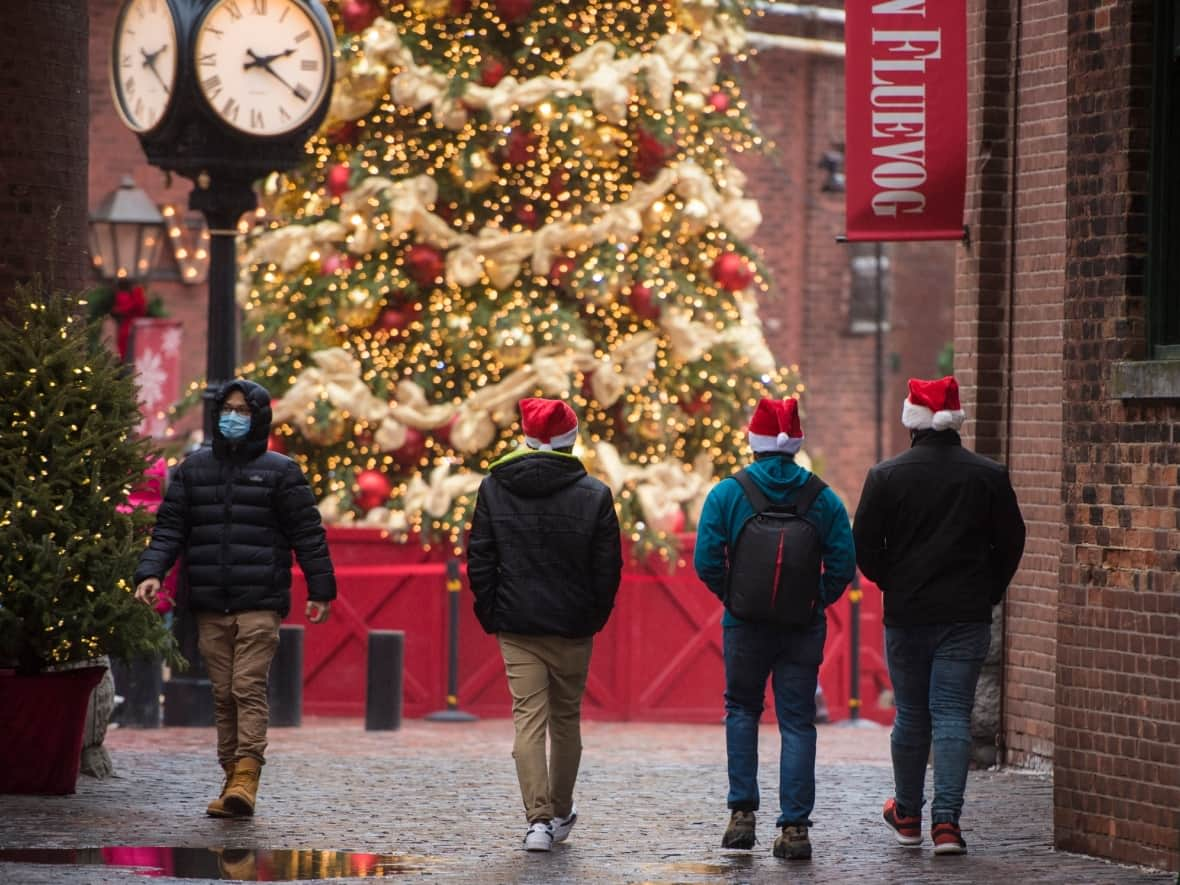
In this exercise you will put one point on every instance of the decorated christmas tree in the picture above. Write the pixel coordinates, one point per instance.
(514, 198)
(69, 456)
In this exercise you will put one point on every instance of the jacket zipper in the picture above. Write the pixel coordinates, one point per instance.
(225, 530)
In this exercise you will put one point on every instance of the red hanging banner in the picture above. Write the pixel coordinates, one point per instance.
(905, 118)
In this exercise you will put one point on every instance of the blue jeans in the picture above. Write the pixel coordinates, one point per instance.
(934, 668)
(792, 659)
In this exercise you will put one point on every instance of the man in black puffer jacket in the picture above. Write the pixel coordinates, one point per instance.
(939, 530)
(544, 560)
(235, 511)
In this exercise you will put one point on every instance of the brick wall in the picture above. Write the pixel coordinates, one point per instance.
(42, 142)
(797, 100)
(1117, 763)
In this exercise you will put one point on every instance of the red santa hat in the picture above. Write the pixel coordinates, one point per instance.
(548, 423)
(933, 405)
(775, 426)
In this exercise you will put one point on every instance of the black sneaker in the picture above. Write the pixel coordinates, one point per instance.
(793, 843)
(740, 832)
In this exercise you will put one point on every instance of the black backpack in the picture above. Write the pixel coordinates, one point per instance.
(774, 566)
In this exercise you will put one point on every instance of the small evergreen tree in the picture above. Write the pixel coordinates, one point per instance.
(69, 455)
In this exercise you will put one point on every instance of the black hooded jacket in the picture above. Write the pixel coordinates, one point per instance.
(235, 512)
(544, 556)
(938, 529)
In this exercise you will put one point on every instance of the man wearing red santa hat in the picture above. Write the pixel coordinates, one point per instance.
(544, 559)
(938, 529)
(755, 649)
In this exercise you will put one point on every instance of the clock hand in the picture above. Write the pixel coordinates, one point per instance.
(263, 61)
(149, 62)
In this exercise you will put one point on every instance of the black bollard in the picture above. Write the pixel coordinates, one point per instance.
(383, 689)
(285, 688)
(139, 682)
(452, 713)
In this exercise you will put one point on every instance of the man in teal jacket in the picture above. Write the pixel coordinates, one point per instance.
(754, 651)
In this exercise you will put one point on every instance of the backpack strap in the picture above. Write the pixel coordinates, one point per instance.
(807, 495)
(754, 495)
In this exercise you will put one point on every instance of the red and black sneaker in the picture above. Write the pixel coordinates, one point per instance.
(948, 838)
(907, 829)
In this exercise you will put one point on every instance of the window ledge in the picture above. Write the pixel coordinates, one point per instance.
(1146, 379)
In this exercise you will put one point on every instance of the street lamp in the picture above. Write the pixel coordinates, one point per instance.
(126, 231)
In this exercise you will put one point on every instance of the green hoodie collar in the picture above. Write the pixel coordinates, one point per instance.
(525, 451)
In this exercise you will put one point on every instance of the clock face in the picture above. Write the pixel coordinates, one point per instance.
(143, 62)
(264, 66)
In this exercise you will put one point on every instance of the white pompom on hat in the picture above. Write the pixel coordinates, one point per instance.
(775, 426)
(548, 423)
(933, 405)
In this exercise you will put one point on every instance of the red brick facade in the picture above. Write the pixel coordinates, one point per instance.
(1049, 300)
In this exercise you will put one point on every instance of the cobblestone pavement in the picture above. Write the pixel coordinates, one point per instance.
(651, 800)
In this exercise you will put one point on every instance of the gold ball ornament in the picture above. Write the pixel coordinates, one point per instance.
(317, 335)
(512, 347)
(604, 142)
(358, 307)
(694, 218)
(478, 174)
(324, 431)
(692, 14)
(648, 421)
(366, 81)
(430, 9)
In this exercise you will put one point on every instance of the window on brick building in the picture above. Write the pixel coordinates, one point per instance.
(1163, 264)
(862, 296)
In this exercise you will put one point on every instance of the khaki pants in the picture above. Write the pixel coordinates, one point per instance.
(547, 676)
(237, 649)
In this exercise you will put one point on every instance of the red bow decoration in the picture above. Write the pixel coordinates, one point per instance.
(129, 304)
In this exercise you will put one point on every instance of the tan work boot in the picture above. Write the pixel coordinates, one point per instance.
(217, 806)
(243, 787)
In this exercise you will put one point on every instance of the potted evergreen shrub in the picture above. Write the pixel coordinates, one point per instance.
(69, 455)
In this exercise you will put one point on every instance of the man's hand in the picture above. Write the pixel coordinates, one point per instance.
(317, 612)
(148, 591)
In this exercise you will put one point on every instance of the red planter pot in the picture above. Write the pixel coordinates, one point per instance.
(41, 741)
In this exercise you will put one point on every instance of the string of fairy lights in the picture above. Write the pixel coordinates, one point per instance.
(386, 295)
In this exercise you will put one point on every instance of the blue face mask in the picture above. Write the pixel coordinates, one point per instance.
(234, 426)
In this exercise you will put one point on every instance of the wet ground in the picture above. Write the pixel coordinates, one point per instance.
(438, 802)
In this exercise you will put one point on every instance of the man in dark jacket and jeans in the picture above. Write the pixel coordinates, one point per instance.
(235, 511)
(938, 529)
(544, 561)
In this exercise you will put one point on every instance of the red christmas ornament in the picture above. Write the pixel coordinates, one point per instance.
(698, 405)
(337, 180)
(674, 524)
(651, 154)
(719, 101)
(443, 432)
(358, 14)
(492, 72)
(344, 133)
(394, 319)
(372, 489)
(643, 302)
(558, 183)
(460, 7)
(276, 443)
(412, 449)
(526, 214)
(520, 147)
(334, 262)
(732, 272)
(425, 264)
(513, 11)
(560, 272)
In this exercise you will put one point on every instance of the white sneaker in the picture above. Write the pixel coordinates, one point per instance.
(563, 825)
(539, 837)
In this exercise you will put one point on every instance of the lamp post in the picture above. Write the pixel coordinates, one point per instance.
(126, 231)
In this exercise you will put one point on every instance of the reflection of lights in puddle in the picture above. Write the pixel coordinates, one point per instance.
(241, 864)
(738, 864)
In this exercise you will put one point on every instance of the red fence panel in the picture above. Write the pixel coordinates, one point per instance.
(659, 659)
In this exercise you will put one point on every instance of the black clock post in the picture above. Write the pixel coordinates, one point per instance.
(198, 137)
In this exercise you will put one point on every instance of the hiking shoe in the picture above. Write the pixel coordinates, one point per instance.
(907, 829)
(793, 843)
(563, 825)
(539, 836)
(740, 832)
(948, 838)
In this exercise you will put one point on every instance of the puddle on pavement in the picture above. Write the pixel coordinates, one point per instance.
(738, 864)
(241, 864)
